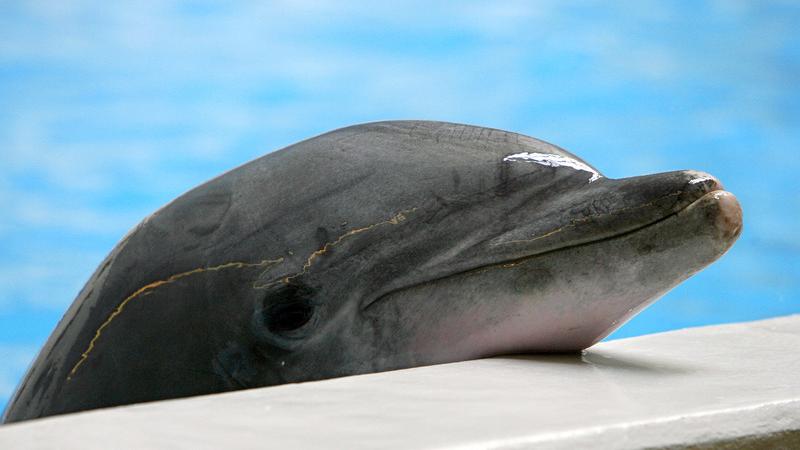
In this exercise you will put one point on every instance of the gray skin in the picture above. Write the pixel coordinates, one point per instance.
(370, 248)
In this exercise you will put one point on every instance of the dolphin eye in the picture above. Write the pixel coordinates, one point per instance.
(286, 317)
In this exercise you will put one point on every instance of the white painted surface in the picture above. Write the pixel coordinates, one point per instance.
(695, 385)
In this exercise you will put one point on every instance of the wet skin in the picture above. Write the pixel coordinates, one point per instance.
(370, 248)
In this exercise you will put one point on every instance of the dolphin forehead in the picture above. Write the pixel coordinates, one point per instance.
(425, 199)
(451, 183)
(292, 202)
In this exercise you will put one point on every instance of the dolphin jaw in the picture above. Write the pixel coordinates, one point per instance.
(610, 284)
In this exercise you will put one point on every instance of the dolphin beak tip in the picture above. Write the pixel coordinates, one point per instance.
(722, 214)
(729, 215)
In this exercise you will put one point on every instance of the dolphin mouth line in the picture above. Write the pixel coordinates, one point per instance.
(521, 260)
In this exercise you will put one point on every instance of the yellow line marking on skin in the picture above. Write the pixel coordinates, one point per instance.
(574, 222)
(147, 289)
(394, 220)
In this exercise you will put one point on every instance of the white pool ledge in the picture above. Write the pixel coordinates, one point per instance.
(695, 386)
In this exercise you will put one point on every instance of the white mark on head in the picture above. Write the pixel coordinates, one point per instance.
(700, 180)
(547, 159)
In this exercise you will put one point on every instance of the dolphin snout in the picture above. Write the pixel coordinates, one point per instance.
(654, 197)
(723, 211)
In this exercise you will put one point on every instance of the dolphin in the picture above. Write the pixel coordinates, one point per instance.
(374, 247)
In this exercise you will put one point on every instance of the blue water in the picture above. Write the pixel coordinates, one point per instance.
(108, 111)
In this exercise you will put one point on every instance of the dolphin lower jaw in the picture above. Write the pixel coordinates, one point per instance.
(566, 299)
(709, 227)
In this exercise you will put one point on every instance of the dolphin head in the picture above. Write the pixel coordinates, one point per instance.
(510, 246)
(370, 248)
(568, 279)
(551, 259)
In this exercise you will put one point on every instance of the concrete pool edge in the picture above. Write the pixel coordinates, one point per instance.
(693, 387)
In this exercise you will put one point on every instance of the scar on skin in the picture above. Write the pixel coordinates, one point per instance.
(394, 220)
(574, 222)
(148, 289)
